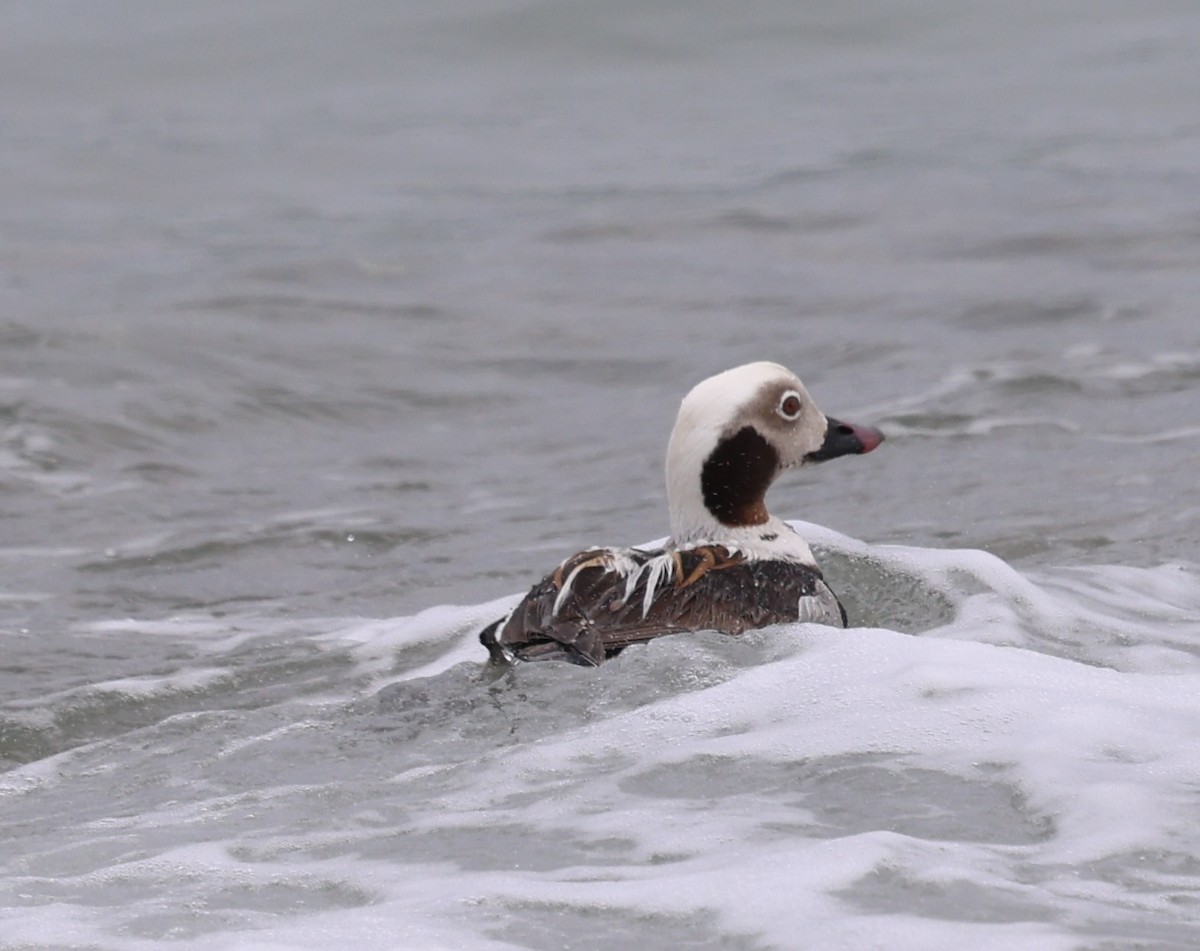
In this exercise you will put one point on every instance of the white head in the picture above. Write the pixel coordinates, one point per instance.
(735, 433)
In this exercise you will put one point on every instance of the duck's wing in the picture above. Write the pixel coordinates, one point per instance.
(598, 602)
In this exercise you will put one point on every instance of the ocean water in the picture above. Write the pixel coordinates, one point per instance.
(324, 332)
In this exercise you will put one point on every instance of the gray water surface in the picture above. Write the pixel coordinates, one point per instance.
(312, 312)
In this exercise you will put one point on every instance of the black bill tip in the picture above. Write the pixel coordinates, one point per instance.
(845, 439)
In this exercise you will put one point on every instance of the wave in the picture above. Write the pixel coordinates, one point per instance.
(986, 756)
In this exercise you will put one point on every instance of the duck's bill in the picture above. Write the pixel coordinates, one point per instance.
(845, 439)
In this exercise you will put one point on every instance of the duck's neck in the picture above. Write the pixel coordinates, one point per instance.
(772, 540)
(720, 511)
(713, 489)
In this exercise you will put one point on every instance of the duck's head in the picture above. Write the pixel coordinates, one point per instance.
(735, 433)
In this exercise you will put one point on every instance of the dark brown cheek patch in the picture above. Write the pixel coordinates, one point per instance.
(736, 476)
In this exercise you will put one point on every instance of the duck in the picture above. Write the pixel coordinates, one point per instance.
(728, 564)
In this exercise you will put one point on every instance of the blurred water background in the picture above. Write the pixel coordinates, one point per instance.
(319, 320)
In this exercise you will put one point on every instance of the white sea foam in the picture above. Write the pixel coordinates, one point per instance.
(1021, 772)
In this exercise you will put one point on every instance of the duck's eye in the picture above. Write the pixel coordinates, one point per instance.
(790, 405)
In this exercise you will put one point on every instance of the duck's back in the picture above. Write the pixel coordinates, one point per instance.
(601, 601)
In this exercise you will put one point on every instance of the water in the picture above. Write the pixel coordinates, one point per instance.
(325, 332)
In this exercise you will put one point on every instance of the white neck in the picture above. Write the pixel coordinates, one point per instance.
(773, 540)
(693, 524)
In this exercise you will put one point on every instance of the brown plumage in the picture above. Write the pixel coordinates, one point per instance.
(709, 588)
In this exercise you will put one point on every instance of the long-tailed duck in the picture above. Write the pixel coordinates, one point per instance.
(728, 566)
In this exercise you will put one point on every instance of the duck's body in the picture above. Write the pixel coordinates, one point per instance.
(618, 597)
(728, 566)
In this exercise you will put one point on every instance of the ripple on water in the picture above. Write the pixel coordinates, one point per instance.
(846, 795)
(540, 925)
